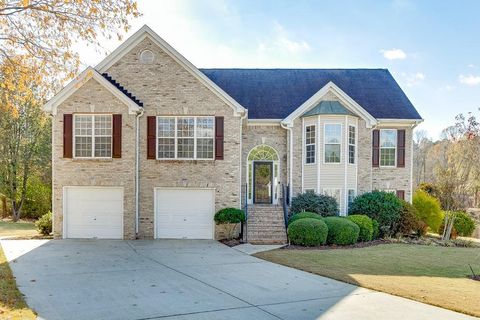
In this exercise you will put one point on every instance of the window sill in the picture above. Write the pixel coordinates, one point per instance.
(183, 160)
(92, 159)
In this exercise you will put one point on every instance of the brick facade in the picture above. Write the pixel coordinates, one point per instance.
(167, 88)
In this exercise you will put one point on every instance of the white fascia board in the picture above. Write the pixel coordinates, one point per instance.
(350, 104)
(146, 31)
(399, 122)
(264, 122)
(78, 82)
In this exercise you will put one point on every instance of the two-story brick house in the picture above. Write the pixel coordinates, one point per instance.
(147, 145)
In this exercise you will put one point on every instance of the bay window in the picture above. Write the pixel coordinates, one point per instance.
(351, 144)
(310, 144)
(333, 143)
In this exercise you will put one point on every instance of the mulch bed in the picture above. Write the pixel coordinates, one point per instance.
(232, 242)
(39, 237)
(334, 247)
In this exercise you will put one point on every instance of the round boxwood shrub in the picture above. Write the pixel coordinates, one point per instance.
(303, 215)
(318, 203)
(341, 231)
(365, 224)
(308, 232)
(382, 206)
(464, 224)
(44, 224)
(428, 209)
(229, 215)
(376, 229)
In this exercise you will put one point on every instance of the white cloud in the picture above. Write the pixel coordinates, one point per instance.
(283, 41)
(414, 78)
(471, 65)
(469, 80)
(394, 54)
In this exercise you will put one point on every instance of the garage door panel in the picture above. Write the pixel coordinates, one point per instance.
(185, 213)
(94, 212)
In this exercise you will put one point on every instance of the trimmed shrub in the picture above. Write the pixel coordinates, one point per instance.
(376, 229)
(428, 209)
(463, 225)
(382, 206)
(341, 231)
(318, 203)
(308, 232)
(303, 215)
(229, 215)
(365, 224)
(409, 221)
(44, 224)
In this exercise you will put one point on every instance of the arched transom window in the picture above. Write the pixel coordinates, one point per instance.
(263, 153)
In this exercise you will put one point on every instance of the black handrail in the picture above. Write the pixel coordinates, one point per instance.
(246, 213)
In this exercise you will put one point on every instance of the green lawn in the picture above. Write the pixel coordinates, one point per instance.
(430, 274)
(12, 304)
(22, 229)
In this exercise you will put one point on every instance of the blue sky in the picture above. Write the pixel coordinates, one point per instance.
(432, 48)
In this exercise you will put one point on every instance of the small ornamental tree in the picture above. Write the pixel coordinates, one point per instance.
(428, 209)
(382, 206)
(317, 203)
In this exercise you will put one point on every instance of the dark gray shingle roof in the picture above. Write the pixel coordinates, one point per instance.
(275, 93)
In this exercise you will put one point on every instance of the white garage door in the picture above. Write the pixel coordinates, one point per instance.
(184, 213)
(94, 212)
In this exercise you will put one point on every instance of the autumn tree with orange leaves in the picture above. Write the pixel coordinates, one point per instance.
(37, 39)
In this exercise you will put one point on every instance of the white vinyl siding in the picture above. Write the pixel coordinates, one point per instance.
(92, 135)
(186, 138)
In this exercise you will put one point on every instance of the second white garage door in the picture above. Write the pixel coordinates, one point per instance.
(184, 213)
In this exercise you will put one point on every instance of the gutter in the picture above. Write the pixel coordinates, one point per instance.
(137, 169)
(290, 183)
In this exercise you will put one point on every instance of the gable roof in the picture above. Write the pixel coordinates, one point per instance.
(145, 32)
(90, 73)
(276, 93)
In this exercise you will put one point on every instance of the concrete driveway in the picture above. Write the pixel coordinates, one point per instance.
(89, 279)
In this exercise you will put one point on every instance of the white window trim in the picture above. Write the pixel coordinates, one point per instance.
(354, 145)
(74, 135)
(176, 158)
(354, 195)
(325, 142)
(310, 144)
(380, 149)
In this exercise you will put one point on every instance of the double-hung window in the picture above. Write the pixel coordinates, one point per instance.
(310, 144)
(351, 144)
(93, 135)
(185, 138)
(388, 147)
(333, 143)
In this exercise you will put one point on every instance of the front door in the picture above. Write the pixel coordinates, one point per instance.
(262, 182)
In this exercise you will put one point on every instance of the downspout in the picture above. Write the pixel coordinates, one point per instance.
(137, 169)
(290, 184)
(241, 156)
